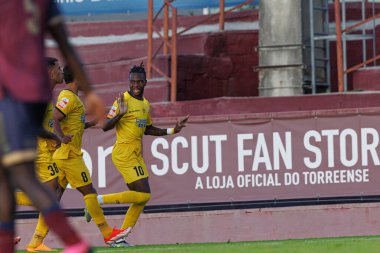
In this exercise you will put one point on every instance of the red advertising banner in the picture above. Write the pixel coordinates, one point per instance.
(249, 158)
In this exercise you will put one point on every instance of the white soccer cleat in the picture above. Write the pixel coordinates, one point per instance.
(121, 243)
(128, 231)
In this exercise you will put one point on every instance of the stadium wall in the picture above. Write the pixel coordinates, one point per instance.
(249, 224)
(233, 225)
(225, 68)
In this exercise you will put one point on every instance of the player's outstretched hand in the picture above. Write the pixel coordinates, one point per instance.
(181, 124)
(123, 106)
(95, 106)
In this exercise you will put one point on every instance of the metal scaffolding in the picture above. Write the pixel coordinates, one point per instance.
(341, 33)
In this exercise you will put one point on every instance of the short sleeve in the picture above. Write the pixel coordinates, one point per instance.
(64, 103)
(113, 111)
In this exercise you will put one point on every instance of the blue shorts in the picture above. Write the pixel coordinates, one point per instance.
(20, 124)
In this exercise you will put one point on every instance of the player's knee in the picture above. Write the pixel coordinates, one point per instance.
(143, 197)
(87, 189)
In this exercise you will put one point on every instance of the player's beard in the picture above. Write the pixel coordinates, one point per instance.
(138, 92)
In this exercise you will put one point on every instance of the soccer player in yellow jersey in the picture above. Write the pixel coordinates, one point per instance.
(46, 169)
(69, 124)
(130, 114)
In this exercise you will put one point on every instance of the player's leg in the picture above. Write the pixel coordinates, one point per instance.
(47, 174)
(7, 209)
(7, 198)
(135, 209)
(22, 199)
(36, 243)
(138, 196)
(49, 179)
(62, 183)
(77, 174)
(23, 177)
(18, 162)
(129, 162)
(125, 197)
(79, 177)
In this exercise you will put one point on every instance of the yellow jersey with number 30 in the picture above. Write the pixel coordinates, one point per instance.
(70, 105)
(131, 127)
(46, 147)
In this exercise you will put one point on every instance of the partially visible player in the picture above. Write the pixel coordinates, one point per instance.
(46, 170)
(24, 94)
(130, 114)
(69, 124)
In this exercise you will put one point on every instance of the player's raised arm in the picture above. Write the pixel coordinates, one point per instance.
(90, 123)
(155, 131)
(117, 111)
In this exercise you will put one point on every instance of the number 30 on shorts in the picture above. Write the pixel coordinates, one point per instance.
(53, 169)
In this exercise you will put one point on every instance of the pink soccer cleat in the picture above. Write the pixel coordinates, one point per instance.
(81, 247)
(16, 240)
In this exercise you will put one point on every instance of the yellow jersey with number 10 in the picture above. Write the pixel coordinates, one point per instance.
(73, 124)
(131, 127)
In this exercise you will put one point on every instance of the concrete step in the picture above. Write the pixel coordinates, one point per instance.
(119, 51)
(119, 71)
(102, 28)
(156, 90)
(207, 43)
(366, 79)
(110, 52)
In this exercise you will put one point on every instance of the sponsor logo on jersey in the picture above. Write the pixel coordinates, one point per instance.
(141, 123)
(112, 111)
(63, 103)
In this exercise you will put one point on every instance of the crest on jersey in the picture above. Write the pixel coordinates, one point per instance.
(112, 111)
(63, 103)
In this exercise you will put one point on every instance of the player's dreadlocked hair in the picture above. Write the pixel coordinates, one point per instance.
(138, 69)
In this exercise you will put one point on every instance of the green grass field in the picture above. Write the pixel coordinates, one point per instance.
(331, 245)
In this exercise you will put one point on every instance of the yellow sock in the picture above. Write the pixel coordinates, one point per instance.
(132, 215)
(22, 199)
(126, 197)
(96, 213)
(39, 233)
